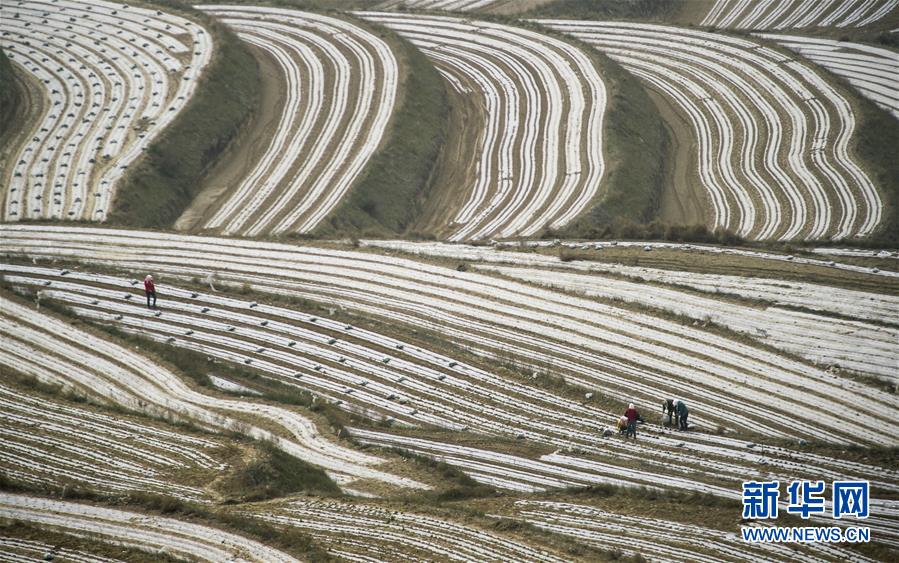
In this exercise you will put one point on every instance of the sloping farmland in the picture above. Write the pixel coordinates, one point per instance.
(114, 77)
(771, 135)
(340, 85)
(786, 14)
(528, 115)
(873, 71)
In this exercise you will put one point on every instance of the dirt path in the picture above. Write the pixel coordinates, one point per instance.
(242, 155)
(684, 201)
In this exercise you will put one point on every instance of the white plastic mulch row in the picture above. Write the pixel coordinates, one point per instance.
(341, 85)
(490, 253)
(362, 530)
(156, 534)
(114, 77)
(641, 356)
(861, 305)
(447, 394)
(55, 352)
(664, 540)
(18, 550)
(772, 134)
(539, 157)
(786, 14)
(69, 445)
(873, 71)
(375, 382)
(443, 5)
(859, 346)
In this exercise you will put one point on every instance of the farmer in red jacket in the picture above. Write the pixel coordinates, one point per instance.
(150, 290)
(632, 417)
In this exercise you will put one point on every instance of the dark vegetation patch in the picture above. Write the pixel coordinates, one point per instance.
(10, 95)
(166, 180)
(274, 473)
(608, 9)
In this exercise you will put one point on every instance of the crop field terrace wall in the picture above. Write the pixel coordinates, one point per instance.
(115, 77)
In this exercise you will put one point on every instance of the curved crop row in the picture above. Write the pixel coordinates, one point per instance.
(341, 84)
(360, 532)
(783, 14)
(50, 350)
(536, 159)
(14, 549)
(445, 5)
(873, 71)
(378, 376)
(591, 344)
(115, 77)
(773, 136)
(156, 534)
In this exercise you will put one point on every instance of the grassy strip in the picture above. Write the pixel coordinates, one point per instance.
(166, 180)
(274, 474)
(608, 9)
(10, 96)
(390, 193)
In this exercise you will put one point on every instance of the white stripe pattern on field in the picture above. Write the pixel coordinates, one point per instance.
(154, 534)
(785, 14)
(54, 352)
(383, 533)
(442, 5)
(773, 136)
(539, 159)
(873, 71)
(115, 76)
(592, 344)
(341, 85)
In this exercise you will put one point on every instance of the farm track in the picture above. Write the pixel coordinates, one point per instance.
(341, 85)
(115, 76)
(538, 157)
(634, 355)
(873, 71)
(786, 14)
(772, 135)
(156, 534)
(52, 351)
(49, 442)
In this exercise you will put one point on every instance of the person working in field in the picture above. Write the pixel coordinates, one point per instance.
(150, 290)
(632, 417)
(668, 408)
(682, 413)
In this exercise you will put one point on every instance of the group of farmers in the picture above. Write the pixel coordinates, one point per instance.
(674, 408)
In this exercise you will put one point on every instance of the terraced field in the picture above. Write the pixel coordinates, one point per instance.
(340, 85)
(873, 71)
(771, 135)
(530, 108)
(53, 352)
(785, 14)
(588, 343)
(114, 77)
(49, 442)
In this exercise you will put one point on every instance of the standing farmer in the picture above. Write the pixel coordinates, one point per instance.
(682, 413)
(150, 290)
(668, 408)
(632, 417)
